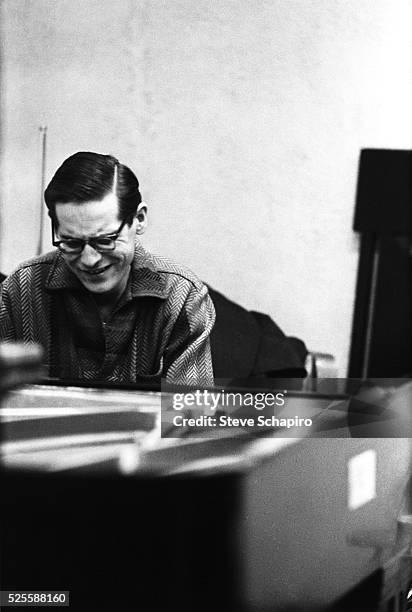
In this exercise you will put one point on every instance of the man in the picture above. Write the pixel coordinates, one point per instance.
(100, 305)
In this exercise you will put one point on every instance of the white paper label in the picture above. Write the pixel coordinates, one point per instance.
(361, 479)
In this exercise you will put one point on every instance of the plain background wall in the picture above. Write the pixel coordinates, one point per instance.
(243, 120)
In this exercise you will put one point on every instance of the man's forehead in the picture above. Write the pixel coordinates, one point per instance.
(95, 216)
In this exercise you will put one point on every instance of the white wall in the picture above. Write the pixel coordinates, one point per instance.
(242, 119)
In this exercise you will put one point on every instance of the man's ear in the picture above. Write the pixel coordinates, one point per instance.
(141, 216)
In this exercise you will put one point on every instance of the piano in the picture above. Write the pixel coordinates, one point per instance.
(96, 502)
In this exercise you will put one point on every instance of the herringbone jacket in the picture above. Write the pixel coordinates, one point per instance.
(172, 319)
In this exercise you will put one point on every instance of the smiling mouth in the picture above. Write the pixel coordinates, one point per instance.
(96, 272)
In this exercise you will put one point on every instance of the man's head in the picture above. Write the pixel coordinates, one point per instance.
(93, 195)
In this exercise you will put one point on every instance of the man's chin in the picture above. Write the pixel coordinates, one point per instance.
(97, 285)
(95, 282)
(105, 289)
(109, 283)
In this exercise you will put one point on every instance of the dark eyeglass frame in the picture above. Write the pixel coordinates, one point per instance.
(113, 236)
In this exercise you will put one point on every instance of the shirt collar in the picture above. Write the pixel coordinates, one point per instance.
(144, 279)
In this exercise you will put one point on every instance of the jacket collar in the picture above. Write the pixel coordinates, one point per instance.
(144, 279)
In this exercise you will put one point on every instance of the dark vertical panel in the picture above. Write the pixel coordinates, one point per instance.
(381, 343)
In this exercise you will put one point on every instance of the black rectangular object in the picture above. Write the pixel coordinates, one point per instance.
(384, 193)
(122, 543)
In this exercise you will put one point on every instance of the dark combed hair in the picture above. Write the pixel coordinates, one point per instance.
(87, 176)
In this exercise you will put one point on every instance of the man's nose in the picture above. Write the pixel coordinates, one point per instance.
(89, 256)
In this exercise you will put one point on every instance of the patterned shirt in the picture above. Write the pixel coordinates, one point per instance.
(159, 328)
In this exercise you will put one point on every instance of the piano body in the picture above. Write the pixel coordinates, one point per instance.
(94, 502)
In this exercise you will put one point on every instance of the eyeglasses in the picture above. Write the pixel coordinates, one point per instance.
(102, 243)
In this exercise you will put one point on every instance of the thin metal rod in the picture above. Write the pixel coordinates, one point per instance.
(43, 144)
(371, 312)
